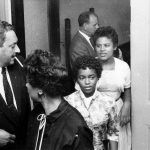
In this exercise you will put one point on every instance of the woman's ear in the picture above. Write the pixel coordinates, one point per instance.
(40, 93)
(115, 48)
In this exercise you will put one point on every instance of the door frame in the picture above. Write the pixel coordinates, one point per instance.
(17, 9)
(54, 26)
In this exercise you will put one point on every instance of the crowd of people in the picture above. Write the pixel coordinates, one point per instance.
(95, 116)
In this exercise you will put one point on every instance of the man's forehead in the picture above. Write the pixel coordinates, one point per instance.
(93, 19)
(92, 16)
(11, 36)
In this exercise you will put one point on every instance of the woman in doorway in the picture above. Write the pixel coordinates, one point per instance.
(53, 123)
(115, 82)
(94, 107)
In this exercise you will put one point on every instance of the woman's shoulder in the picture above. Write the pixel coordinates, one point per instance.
(72, 97)
(105, 99)
(75, 126)
(121, 64)
(74, 116)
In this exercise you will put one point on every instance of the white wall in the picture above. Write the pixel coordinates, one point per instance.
(5, 10)
(36, 25)
(140, 65)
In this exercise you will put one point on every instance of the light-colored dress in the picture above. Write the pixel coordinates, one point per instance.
(96, 111)
(112, 83)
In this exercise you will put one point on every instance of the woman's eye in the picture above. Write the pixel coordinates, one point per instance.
(107, 45)
(98, 46)
(92, 77)
(81, 78)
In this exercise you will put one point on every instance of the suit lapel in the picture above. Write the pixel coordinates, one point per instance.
(92, 50)
(12, 117)
(16, 82)
(83, 39)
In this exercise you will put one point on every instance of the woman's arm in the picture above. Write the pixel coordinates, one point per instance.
(125, 111)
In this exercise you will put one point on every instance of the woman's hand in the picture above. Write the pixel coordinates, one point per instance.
(125, 114)
(125, 111)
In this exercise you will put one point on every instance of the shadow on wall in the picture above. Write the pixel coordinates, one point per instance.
(125, 48)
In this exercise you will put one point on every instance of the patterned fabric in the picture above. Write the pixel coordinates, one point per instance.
(96, 111)
(112, 83)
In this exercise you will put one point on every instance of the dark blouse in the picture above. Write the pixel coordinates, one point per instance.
(65, 130)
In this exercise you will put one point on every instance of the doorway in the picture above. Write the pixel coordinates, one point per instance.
(17, 8)
(54, 26)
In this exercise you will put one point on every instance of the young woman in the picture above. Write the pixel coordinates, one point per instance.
(53, 123)
(94, 107)
(115, 82)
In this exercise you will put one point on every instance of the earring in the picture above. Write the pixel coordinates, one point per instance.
(40, 93)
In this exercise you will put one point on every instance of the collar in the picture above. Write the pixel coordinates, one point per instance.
(86, 36)
(87, 101)
(1, 69)
(58, 112)
(89, 98)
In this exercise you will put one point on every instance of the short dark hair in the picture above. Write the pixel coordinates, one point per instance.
(106, 31)
(84, 17)
(84, 62)
(4, 27)
(46, 72)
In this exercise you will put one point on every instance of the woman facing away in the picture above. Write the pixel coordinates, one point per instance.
(53, 123)
(115, 82)
(94, 107)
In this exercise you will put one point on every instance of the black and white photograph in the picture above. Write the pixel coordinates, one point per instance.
(74, 75)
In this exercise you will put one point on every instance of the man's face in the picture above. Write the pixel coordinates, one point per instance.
(9, 49)
(92, 25)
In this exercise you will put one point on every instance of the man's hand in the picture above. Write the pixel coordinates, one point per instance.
(6, 138)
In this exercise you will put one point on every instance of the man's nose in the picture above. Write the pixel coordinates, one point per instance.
(17, 49)
(97, 26)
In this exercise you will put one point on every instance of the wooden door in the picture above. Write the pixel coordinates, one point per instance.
(140, 65)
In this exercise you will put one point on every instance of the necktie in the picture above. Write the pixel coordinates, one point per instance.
(92, 42)
(7, 89)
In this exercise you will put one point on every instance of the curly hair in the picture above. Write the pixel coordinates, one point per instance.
(106, 31)
(45, 71)
(4, 27)
(84, 62)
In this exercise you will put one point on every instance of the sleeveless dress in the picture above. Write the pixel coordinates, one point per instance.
(112, 83)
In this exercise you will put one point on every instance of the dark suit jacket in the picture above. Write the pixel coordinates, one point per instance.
(15, 121)
(79, 47)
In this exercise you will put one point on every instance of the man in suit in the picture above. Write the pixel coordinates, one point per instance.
(81, 43)
(13, 110)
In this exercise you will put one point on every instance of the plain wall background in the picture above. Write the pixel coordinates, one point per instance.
(36, 25)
